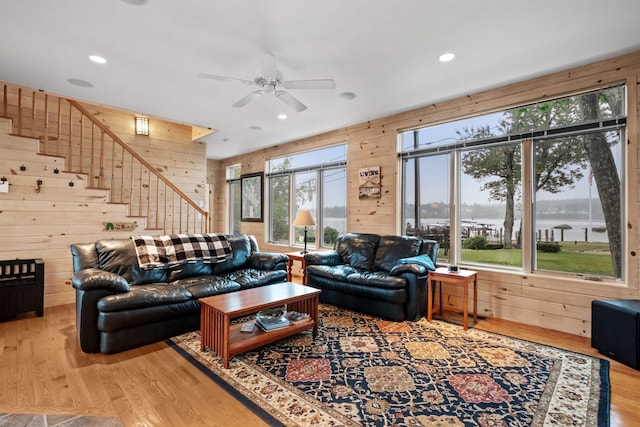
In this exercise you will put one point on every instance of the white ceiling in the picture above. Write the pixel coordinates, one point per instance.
(386, 52)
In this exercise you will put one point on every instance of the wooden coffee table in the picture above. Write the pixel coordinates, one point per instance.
(216, 313)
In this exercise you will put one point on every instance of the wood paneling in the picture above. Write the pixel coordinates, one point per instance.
(561, 303)
(44, 224)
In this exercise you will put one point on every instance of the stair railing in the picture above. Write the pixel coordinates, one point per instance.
(67, 129)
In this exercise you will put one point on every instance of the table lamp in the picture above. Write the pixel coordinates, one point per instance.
(304, 219)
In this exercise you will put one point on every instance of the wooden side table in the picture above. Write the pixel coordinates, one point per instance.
(459, 278)
(296, 256)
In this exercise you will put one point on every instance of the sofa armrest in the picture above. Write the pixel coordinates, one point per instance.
(94, 278)
(323, 258)
(268, 261)
(416, 269)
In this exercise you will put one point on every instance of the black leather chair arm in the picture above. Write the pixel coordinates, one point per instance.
(268, 261)
(94, 278)
(416, 269)
(323, 258)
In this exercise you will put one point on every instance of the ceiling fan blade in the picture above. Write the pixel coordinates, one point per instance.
(247, 99)
(310, 84)
(268, 67)
(291, 101)
(225, 79)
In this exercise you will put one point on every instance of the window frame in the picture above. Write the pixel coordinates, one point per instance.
(318, 207)
(526, 141)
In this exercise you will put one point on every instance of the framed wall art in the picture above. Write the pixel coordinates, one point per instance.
(251, 197)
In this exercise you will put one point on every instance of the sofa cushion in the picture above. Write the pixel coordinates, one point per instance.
(140, 276)
(206, 286)
(117, 256)
(109, 321)
(358, 249)
(338, 272)
(377, 279)
(392, 248)
(251, 278)
(191, 269)
(144, 296)
(240, 252)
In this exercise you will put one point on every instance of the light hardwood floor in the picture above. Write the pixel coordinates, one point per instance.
(43, 370)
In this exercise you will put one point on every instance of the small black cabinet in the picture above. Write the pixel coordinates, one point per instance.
(21, 287)
(615, 330)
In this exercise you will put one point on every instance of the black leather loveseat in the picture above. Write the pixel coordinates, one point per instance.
(381, 275)
(121, 306)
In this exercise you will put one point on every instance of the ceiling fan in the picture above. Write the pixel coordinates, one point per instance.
(272, 81)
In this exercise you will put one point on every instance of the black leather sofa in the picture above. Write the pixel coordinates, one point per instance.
(120, 306)
(385, 276)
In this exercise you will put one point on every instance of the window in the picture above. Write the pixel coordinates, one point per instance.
(233, 180)
(314, 180)
(538, 187)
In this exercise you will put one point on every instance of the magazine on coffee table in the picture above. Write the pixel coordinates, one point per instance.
(273, 324)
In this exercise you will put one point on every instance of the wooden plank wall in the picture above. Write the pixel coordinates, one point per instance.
(551, 301)
(45, 224)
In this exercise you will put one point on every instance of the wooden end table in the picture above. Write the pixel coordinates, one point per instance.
(216, 312)
(296, 256)
(459, 278)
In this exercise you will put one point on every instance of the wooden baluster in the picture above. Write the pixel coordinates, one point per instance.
(59, 130)
(69, 148)
(5, 101)
(157, 199)
(149, 194)
(92, 163)
(122, 153)
(180, 214)
(101, 175)
(164, 226)
(19, 111)
(140, 192)
(46, 123)
(33, 114)
(81, 151)
(173, 211)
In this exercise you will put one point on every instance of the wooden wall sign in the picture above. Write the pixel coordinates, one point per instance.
(369, 181)
(120, 226)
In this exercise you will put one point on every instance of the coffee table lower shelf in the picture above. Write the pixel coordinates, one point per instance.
(241, 342)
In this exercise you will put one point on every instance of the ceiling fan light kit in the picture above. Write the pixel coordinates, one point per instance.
(272, 81)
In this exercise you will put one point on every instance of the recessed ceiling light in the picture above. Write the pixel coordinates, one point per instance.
(79, 82)
(97, 59)
(347, 95)
(282, 116)
(254, 127)
(446, 57)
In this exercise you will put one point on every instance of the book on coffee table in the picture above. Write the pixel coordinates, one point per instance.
(271, 325)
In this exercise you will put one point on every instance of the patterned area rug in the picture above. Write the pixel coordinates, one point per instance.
(361, 370)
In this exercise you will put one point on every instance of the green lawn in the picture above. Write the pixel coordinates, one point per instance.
(585, 258)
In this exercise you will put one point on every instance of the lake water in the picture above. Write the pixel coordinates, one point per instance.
(577, 231)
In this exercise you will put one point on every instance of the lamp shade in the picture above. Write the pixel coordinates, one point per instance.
(304, 219)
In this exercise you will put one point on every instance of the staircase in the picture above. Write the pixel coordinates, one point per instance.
(65, 128)
(72, 180)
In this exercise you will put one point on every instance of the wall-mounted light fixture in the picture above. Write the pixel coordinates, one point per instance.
(56, 171)
(142, 126)
(70, 183)
(3, 179)
(23, 168)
